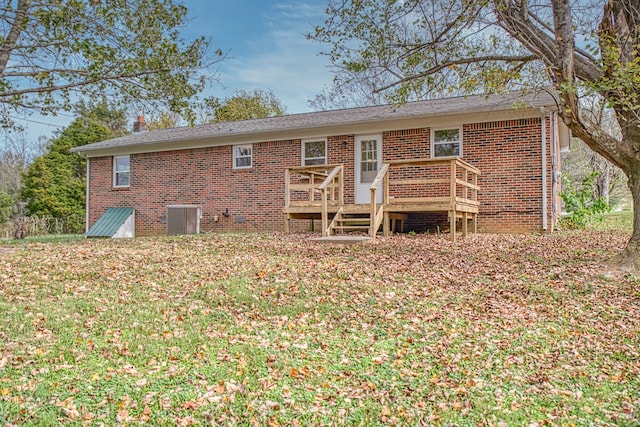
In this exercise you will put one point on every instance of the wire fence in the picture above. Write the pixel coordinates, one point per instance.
(24, 226)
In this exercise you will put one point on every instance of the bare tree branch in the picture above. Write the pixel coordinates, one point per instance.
(452, 63)
(16, 28)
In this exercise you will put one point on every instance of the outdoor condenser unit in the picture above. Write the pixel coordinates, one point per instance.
(183, 219)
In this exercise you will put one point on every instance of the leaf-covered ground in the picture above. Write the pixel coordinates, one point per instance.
(273, 329)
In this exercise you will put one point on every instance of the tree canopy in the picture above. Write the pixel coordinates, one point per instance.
(54, 185)
(583, 49)
(55, 53)
(245, 105)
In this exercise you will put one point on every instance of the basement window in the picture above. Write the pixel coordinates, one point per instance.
(121, 171)
(446, 142)
(242, 156)
(314, 152)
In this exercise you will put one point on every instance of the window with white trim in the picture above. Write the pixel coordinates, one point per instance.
(242, 156)
(314, 152)
(121, 170)
(446, 142)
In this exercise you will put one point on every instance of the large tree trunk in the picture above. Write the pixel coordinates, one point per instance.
(630, 258)
(603, 181)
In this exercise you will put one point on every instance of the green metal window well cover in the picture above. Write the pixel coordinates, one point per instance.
(109, 222)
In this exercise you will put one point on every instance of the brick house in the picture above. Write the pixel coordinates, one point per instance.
(268, 174)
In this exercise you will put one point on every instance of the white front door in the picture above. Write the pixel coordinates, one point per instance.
(368, 162)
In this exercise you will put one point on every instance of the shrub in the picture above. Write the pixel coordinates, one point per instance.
(580, 203)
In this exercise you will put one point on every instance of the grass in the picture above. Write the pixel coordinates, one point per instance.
(272, 329)
(622, 220)
(46, 238)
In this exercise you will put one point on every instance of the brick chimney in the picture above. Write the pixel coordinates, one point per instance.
(139, 125)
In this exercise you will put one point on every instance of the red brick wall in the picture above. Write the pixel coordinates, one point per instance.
(507, 153)
(253, 198)
(509, 156)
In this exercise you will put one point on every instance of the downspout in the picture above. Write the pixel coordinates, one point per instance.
(86, 206)
(554, 169)
(544, 170)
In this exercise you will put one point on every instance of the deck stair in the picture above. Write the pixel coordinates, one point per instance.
(352, 219)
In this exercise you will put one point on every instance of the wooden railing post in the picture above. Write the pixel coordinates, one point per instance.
(452, 212)
(465, 189)
(372, 213)
(341, 187)
(375, 185)
(386, 226)
(474, 197)
(287, 187)
(325, 213)
(474, 190)
(287, 197)
(453, 182)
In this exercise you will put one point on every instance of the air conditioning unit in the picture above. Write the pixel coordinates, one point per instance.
(183, 219)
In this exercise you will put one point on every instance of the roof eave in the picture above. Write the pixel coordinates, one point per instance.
(489, 113)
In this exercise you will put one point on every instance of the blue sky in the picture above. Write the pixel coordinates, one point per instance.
(267, 50)
(267, 44)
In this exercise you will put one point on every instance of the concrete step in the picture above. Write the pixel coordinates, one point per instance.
(345, 240)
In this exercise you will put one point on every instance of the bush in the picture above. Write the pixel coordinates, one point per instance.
(582, 206)
(25, 226)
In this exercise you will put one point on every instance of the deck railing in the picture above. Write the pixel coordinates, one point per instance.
(428, 185)
(315, 186)
(458, 184)
(419, 185)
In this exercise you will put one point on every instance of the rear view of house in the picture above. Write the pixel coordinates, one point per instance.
(492, 161)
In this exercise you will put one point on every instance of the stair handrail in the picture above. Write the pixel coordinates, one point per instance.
(375, 185)
(333, 222)
(337, 171)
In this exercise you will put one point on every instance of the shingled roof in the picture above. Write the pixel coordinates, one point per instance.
(289, 124)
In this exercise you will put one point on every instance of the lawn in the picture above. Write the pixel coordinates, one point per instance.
(273, 329)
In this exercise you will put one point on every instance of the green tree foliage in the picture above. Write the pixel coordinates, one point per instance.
(6, 206)
(610, 183)
(245, 105)
(431, 47)
(55, 183)
(581, 203)
(53, 53)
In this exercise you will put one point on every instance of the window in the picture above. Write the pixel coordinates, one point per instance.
(121, 171)
(242, 156)
(446, 142)
(368, 160)
(314, 152)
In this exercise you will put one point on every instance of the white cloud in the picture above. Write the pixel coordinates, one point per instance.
(282, 59)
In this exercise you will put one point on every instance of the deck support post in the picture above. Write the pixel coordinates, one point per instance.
(464, 223)
(386, 229)
(452, 225)
(452, 196)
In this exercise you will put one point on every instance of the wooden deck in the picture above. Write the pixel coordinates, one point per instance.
(407, 186)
